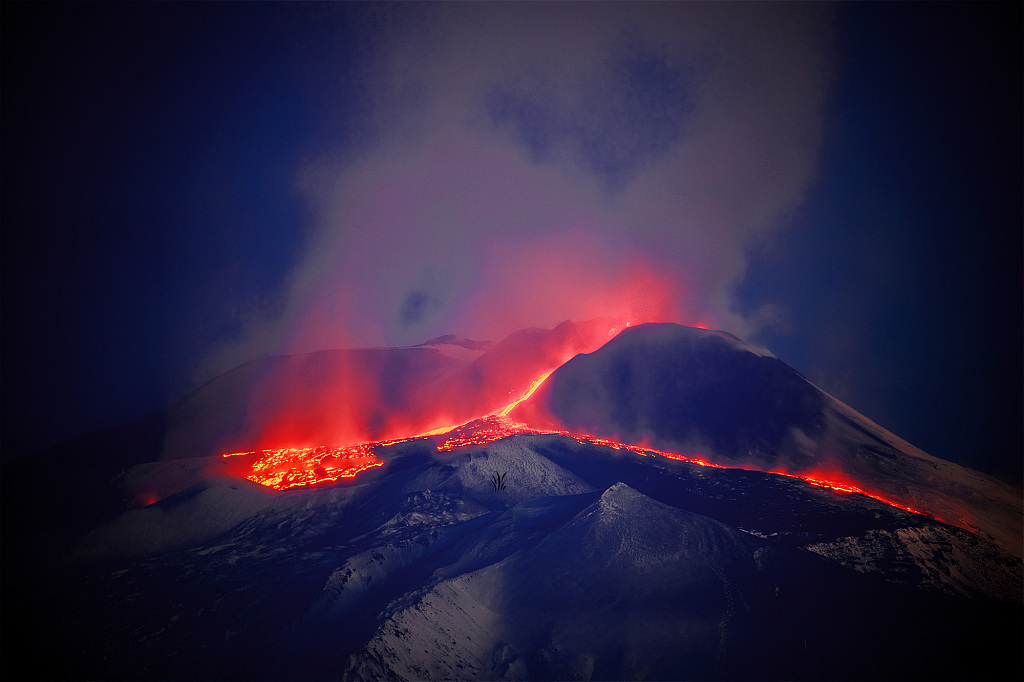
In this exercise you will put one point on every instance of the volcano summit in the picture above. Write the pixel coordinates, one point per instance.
(677, 504)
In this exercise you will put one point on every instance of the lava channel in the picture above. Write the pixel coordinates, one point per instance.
(285, 468)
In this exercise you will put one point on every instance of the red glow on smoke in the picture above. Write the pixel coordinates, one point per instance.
(284, 468)
(349, 397)
(374, 397)
(322, 417)
(572, 275)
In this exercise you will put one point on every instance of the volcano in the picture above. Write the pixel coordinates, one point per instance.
(674, 504)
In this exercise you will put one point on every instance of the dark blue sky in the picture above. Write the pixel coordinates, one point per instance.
(165, 168)
(906, 259)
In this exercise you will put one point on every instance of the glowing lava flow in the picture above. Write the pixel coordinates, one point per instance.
(480, 432)
(286, 468)
(534, 385)
(850, 488)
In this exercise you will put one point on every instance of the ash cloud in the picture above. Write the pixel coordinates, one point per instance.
(520, 165)
(630, 108)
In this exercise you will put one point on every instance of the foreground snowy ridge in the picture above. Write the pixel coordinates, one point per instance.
(593, 563)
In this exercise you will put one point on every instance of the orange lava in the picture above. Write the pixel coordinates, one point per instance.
(481, 432)
(285, 468)
(531, 389)
(847, 487)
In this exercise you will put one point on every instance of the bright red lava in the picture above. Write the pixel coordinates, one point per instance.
(480, 432)
(844, 487)
(285, 468)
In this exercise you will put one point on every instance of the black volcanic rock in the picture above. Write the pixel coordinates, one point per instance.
(686, 388)
(709, 394)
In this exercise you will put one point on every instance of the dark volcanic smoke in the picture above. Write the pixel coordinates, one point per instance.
(526, 168)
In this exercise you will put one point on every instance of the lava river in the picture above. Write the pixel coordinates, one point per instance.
(285, 468)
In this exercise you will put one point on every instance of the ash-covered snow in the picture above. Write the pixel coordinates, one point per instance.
(938, 557)
(592, 563)
(527, 474)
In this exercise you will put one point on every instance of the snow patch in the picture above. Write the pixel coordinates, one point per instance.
(446, 635)
(527, 474)
(936, 557)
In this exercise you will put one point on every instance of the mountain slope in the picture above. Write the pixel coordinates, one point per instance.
(695, 391)
(420, 570)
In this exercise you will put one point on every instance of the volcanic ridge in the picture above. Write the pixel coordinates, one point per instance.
(677, 504)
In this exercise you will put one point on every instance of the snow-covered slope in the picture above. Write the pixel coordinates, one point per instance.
(592, 563)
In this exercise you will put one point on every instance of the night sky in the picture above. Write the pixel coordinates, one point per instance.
(187, 186)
